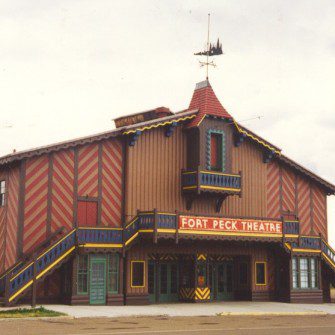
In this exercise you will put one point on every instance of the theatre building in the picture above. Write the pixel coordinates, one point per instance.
(167, 207)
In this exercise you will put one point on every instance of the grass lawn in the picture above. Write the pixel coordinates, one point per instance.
(28, 313)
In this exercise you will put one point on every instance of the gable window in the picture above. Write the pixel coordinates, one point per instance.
(304, 273)
(2, 192)
(216, 150)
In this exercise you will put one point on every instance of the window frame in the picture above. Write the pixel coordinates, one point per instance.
(117, 272)
(309, 271)
(222, 167)
(265, 273)
(131, 274)
(3, 190)
(87, 274)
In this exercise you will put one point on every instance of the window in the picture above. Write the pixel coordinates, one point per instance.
(113, 273)
(215, 150)
(137, 273)
(260, 271)
(82, 286)
(2, 192)
(304, 273)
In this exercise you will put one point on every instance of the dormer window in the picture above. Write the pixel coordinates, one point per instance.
(216, 150)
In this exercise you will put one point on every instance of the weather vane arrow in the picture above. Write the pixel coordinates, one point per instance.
(212, 50)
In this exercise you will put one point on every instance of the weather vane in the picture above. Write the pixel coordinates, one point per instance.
(212, 50)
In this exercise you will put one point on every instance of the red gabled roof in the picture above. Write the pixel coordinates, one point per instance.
(205, 100)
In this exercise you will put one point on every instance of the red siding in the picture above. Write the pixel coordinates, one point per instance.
(2, 230)
(62, 190)
(319, 211)
(288, 180)
(111, 183)
(88, 171)
(35, 205)
(12, 216)
(273, 190)
(304, 211)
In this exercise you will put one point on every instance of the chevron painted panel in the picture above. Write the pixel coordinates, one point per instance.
(304, 213)
(319, 211)
(35, 203)
(88, 171)
(62, 190)
(288, 178)
(111, 183)
(12, 216)
(272, 187)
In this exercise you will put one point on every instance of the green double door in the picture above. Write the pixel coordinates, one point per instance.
(163, 281)
(221, 279)
(98, 281)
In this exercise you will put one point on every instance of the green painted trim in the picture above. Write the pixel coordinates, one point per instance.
(208, 149)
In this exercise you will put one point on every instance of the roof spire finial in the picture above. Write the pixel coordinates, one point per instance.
(211, 50)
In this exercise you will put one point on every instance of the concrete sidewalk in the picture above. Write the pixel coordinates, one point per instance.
(189, 309)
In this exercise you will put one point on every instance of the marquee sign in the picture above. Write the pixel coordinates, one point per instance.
(230, 225)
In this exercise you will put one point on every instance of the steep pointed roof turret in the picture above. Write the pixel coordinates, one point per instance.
(205, 100)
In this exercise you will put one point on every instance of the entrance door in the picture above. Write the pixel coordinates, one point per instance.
(98, 281)
(168, 282)
(152, 273)
(222, 281)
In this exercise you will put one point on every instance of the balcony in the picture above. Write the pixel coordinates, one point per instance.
(197, 182)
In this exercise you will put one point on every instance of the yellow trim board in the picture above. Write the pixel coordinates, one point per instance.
(220, 173)
(329, 260)
(162, 230)
(220, 188)
(101, 245)
(99, 228)
(204, 232)
(306, 250)
(159, 124)
(20, 290)
(131, 238)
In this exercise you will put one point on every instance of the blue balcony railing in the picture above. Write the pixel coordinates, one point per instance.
(291, 227)
(199, 181)
(310, 242)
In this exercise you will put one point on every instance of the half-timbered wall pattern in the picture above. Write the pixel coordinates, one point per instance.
(288, 187)
(304, 210)
(88, 171)
(12, 216)
(35, 204)
(62, 190)
(319, 211)
(111, 214)
(2, 229)
(273, 190)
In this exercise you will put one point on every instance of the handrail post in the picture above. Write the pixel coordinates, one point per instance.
(177, 227)
(198, 179)
(155, 225)
(34, 289)
(7, 288)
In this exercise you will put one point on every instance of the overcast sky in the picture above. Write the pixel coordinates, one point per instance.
(67, 68)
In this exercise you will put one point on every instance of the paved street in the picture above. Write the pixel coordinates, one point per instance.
(240, 325)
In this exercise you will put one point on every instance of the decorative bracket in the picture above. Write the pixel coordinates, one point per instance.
(170, 129)
(268, 156)
(134, 137)
(219, 201)
(239, 139)
(189, 202)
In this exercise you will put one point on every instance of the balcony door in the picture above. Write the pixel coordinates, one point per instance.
(87, 213)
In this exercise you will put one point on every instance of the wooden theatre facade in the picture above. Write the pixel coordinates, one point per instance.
(168, 207)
